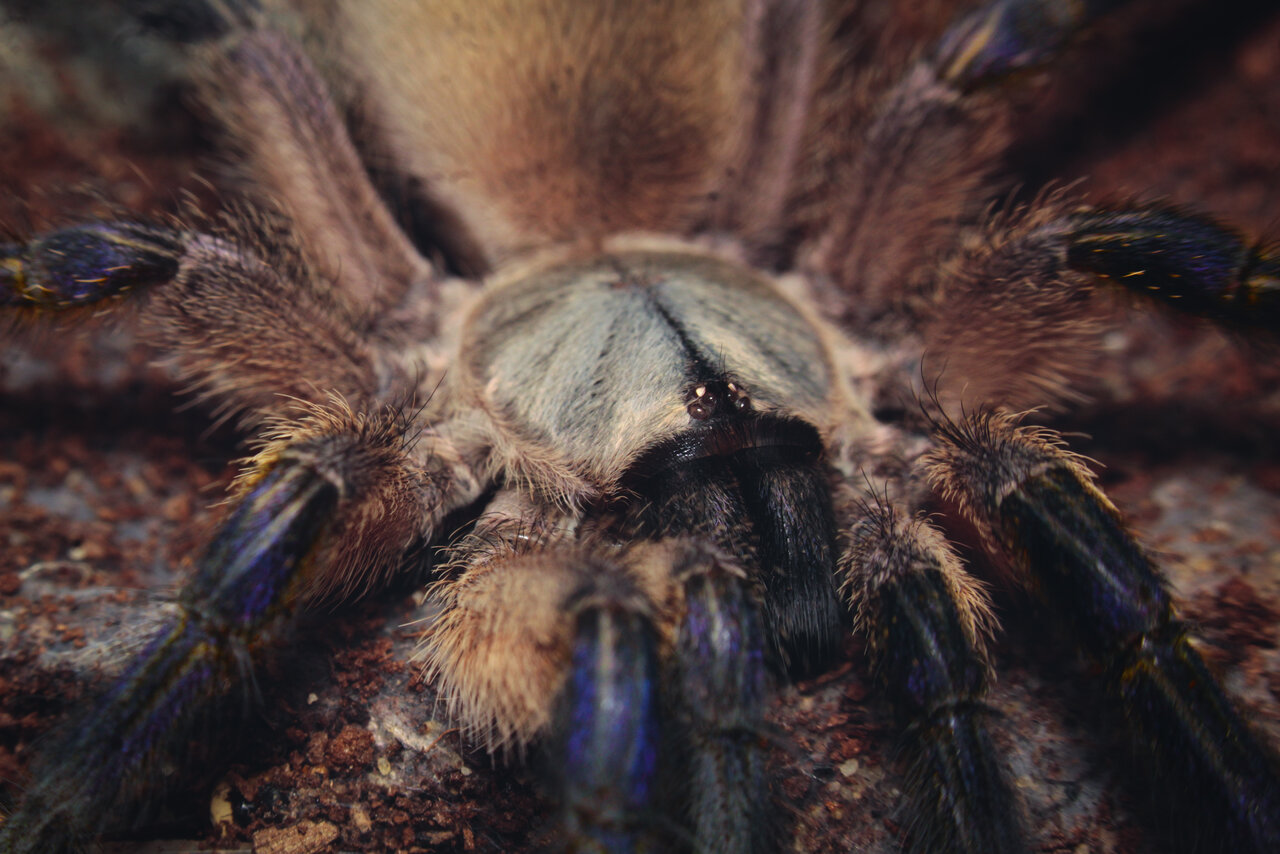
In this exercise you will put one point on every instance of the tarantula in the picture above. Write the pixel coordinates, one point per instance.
(683, 257)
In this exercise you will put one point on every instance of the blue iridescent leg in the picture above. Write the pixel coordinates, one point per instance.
(1218, 780)
(1185, 260)
(1007, 36)
(1047, 257)
(700, 740)
(84, 265)
(925, 622)
(608, 731)
(1014, 317)
(236, 607)
(642, 671)
(324, 514)
(719, 685)
(540, 639)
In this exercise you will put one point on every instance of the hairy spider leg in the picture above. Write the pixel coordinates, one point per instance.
(1040, 507)
(904, 173)
(246, 323)
(531, 616)
(230, 317)
(641, 669)
(297, 153)
(343, 496)
(341, 246)
(1030, 275)
(1186, 260)
(231, 611)
(926, 621)
(702, 749)
(274, 307)
(251, 314)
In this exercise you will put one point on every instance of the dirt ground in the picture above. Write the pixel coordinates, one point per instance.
(109, 479)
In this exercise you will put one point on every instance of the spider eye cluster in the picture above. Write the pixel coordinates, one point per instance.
(709, 400)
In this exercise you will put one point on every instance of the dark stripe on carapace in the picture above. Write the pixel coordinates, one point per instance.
(699, 365)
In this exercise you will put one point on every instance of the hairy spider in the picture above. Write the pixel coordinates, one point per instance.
(650, 399)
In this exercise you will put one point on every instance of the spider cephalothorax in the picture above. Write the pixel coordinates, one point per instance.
(649, 443)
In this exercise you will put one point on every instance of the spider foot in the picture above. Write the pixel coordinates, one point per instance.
(1186, 260)
(86, 264)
